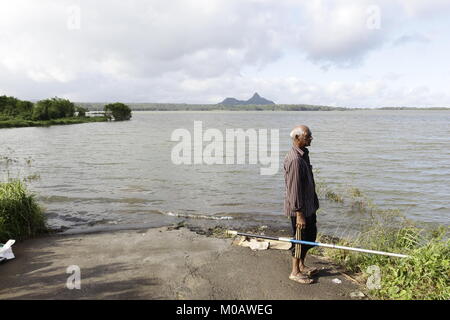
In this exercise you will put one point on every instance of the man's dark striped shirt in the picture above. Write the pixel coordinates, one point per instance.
(299, 181)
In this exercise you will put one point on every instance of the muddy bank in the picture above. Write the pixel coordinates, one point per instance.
(159, 263)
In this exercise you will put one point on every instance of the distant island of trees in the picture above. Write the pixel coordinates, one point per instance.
(54, 111)
(97, 106)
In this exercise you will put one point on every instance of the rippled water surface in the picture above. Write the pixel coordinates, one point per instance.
(115, 174)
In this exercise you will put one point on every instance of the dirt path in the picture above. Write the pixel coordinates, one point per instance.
(159, 264)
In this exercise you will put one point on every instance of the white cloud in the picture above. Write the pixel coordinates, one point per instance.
(420, 8)
(338, 32)
(138, 38)
(195, 51)
(411, 38)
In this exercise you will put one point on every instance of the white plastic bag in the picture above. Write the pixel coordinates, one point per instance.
(6, 251)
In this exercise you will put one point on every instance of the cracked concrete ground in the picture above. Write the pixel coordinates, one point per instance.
(159, 264)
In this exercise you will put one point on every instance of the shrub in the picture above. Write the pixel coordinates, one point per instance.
(425, 275)
(13, 107)
(118, 110)
(20, 215)
(53, 108)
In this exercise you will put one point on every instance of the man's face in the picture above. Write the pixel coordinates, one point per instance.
(307, 139)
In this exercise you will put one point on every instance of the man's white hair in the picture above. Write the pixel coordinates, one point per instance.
(297, 132)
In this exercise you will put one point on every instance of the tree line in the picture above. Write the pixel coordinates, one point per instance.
(54, 108)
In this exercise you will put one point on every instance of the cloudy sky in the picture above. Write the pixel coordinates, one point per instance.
(362, 53)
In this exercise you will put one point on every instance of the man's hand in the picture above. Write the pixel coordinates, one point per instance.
(301, 222)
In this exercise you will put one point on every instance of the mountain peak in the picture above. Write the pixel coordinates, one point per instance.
(258, 100)
(255, 100)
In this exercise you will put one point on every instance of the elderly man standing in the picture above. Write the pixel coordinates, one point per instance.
(301, 202)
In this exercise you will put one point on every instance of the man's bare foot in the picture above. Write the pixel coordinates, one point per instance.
(301, 278)
(309, 270)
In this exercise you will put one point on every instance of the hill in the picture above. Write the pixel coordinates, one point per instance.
(255, 100)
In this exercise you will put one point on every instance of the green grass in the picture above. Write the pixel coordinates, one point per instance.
(20, 215)
(14, 123)
(424, 275)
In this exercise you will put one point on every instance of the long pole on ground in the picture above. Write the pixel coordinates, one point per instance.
(333, 246)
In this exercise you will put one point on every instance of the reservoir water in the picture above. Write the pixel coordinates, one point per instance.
(118, 174)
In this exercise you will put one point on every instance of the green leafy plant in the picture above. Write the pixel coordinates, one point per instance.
(424, 275)
(20, 215)
(118, 110)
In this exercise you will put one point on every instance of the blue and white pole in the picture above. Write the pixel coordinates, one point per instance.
(333, 246)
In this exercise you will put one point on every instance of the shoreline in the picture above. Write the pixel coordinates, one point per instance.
(19, 123)
(170, 262)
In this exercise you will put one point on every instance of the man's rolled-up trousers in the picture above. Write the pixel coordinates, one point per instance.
(309, 233)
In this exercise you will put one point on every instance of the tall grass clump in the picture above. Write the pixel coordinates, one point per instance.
(424, 275)
(20, 215)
